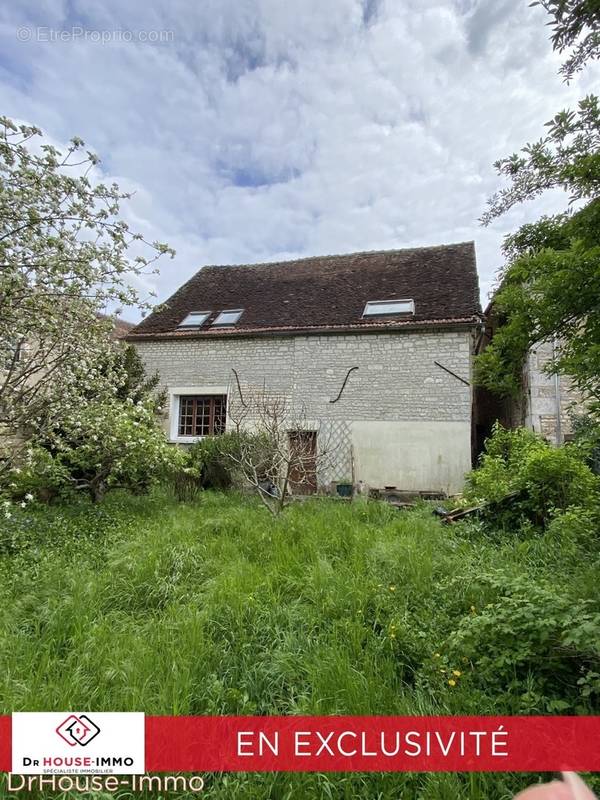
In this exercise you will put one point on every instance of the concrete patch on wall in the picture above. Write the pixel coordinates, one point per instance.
(412, 456)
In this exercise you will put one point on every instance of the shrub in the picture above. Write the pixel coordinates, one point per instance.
(535, 644)
(542, 479)
(505, 452)
(207, 464)
(587, 438)
(207, 458)
(580, 526)
(40, 476)
(556, 479)
(104, 445)
(185, 481)
(213, 458)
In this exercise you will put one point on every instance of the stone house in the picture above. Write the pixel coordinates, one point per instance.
(376, 347)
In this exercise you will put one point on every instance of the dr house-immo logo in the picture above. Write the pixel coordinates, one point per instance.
(78, 730)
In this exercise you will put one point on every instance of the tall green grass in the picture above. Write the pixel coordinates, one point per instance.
(216, 608)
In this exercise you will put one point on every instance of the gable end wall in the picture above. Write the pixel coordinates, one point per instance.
(401, 419)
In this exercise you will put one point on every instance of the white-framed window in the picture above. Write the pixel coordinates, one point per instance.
(229, 317)
(376, 308)
(195, 319)
(196, 412)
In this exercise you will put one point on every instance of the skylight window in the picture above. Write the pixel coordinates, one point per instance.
(194, 319)
(229, 317)
(378, 308)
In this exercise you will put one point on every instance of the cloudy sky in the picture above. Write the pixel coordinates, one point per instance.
(254, 130)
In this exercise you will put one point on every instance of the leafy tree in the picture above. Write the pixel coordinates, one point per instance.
(550, 286)
(567, 158)
(550, 289)
(137, 384)
(65, 255)
(129, 375)
(99, 441)
(575, 24)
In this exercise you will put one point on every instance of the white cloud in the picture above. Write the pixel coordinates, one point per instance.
(267, 130)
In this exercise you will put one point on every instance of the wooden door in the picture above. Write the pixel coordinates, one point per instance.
(303, 472)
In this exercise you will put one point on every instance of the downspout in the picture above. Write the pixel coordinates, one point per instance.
(557, 397)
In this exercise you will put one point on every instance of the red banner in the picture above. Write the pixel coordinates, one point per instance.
(346, 744)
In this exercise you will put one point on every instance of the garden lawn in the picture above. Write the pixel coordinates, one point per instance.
(141, 603)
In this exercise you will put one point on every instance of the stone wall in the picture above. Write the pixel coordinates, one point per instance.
(401, 421)
(550, 400)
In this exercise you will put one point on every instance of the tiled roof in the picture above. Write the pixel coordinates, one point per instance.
(121, 326)
(327, 293)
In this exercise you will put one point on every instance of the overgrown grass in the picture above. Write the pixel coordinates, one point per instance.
(215, 608)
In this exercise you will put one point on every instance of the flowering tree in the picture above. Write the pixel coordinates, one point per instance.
(107, 445)
(65, 255)
(100, 441)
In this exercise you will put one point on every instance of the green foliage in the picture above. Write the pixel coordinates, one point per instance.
(533, 643)
(211, 456)
(224, 457)
(114, 445)
(185, 481)
(542, 479)
(575, 24)
(208, 464)
(143, 603)
(546, 233)
(65, 255)
(40, 476)
(576, 523)
(37, 534)
(549, 291)
(556, 479)
(549, 288)
(513, 445)
(134, 384)
(97, 443)
(500, 464)
(566, 157)
(103, 446)
(587, 439)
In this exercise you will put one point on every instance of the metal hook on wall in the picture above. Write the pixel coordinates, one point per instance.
(449, 371)
(245, 405)
(343, 384)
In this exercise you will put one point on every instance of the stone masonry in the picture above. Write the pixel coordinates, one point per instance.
(550, 400)
(397, 388)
